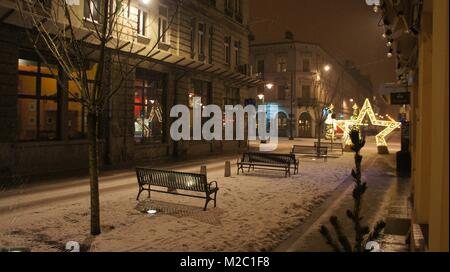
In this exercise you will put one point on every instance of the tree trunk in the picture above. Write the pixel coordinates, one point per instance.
(319, 136)
(93, 172)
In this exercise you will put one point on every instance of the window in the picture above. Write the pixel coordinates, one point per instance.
(141, 22)
(281, 94)
(202, 89)
(237, 52)
(212, 3)
(193, 24)
(148, 107)
(232, 96)
(163, 24)
(228, 7)
(281, 65)
(37, 101)
(306, 92)
(91, 10)
(201, 40)
(238, 7)
(77, 113)
(306, 66)
(260, 67)
(227, 47)
(211, 45)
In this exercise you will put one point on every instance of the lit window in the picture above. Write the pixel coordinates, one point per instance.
(281, 65)
(148, 108)
(37, 101)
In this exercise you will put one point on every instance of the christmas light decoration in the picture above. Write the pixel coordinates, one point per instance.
(366, 110)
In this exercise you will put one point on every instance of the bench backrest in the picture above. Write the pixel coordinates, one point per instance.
(172, 179)
(309, 150)
(329, 145)
(264, 157)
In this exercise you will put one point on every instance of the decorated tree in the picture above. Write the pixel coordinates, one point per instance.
(363, 234)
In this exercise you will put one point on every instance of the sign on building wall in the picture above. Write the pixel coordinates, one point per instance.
(402, 98)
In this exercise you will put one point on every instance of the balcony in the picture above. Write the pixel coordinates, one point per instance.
(306, 102)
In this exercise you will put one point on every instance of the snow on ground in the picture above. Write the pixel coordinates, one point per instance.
(255, 212)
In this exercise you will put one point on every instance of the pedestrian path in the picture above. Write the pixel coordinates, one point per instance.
(379, 202)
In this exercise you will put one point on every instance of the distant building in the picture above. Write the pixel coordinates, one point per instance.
(317, 79)
(204, 53)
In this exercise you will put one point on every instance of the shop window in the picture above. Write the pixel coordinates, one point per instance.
(37, 101)
(148, 108)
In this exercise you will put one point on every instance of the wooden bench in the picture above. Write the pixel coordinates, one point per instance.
(334, 148)
(310, 151)
(268, 161)
(176, 180)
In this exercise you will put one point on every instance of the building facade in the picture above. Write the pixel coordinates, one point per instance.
(203, 53)
(302, 78)
(418, 40)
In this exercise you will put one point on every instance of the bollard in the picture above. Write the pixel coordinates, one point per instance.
(227, 169)
(203, 170)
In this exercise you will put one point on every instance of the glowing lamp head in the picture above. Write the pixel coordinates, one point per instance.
(260, 96)
(375, 8)
(327, 68)
(145, 2)
(269, 86)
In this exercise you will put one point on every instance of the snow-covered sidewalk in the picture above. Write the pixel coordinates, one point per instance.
(255, 212)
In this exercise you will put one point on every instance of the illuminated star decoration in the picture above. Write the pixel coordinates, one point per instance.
(367, 110)
(346, 126)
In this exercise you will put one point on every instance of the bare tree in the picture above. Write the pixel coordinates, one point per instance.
(325, 97)
(60, 29)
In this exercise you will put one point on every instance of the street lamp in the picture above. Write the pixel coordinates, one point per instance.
(261, 97)
(269, 86)
(327, 68)
(351, 100)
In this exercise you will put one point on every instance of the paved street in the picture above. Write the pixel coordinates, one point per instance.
(41, 200)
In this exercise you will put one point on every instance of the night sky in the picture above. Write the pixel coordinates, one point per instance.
(345, 28)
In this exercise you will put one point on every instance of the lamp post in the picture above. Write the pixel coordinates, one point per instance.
(291, 117)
